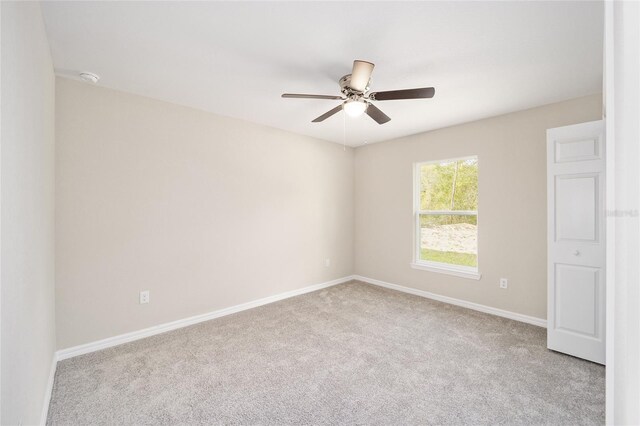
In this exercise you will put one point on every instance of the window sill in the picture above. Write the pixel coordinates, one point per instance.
(472, 275)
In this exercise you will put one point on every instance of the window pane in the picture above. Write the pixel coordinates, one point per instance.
(451, 239)
(449, 185)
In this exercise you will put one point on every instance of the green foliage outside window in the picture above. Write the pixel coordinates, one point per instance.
(449, 185)
(451, 237)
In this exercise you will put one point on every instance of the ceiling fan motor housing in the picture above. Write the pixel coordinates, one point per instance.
(348, 91)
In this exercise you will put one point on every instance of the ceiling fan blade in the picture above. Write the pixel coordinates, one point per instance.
(375, 113)
(305, 96)
(360, 75)
(328, 114)
(390, 95)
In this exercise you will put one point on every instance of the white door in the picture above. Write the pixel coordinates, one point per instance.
(576, 240)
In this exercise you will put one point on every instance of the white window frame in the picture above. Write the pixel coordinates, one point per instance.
(444, 268)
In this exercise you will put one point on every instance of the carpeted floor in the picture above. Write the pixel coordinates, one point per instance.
(349, 354)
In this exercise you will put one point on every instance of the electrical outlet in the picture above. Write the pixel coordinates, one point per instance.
(327, 262)
(504, 283)
(144, 297)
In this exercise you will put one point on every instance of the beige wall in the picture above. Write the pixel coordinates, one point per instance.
(511, 212)
(206, 212)
(27, 228)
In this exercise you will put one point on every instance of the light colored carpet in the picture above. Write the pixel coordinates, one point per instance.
(349, 354)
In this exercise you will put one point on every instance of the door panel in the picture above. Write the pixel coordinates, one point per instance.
(576, 193)
(577, 150)
(577, 296)
(576, 244)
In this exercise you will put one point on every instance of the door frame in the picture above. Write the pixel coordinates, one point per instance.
(607, 115)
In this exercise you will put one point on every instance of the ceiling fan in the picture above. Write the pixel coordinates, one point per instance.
(357, 98)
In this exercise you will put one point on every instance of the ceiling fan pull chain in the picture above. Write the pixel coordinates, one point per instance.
(344, 130)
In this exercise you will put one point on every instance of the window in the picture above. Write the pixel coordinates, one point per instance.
(446, 216)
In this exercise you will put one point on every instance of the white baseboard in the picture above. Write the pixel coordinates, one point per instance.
(48, 390)
(162, 328)
(463, 303)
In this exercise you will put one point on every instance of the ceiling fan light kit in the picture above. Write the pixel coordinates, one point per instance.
(354, 108)
(357, 98)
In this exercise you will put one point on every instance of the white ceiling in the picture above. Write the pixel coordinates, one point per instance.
(236, 58)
